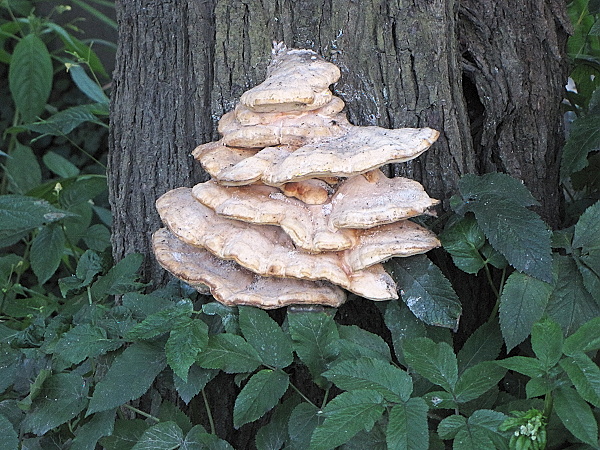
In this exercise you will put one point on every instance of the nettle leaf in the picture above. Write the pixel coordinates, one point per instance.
(100, 425)
(60, 165)
(547, 342)
(499, 203)
(185, 341)
(65, 121)
(30, 77)
(407, 426)
(229, 353)
(477, 380)
(162, 436)
(314, 338)
(436, 362)
(47, 250)
(570, 304)
(259, 395)
(426, 291)
(198, 378)
(22, 169)
(303, 421)
(522, 303)
(483, 345)
(162, 321)
(585, 339)
(367, 373)
(576, 415)
(129, 376)
(346, 415)
(265, 335)
(585, 375)
(584, 137)
(462, 240)
(85, 341)
(62, 397)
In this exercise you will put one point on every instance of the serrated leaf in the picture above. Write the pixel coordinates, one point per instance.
(22, 169)
(47, 250)
(65, 121)
(125, 434)
(60, 165)
(162, 321)
(483, 345)
(585, 339)
(367, 373)
(450, 426)
(493, 186)
(477, 380)
(62, 397)
(587, 229)
(198, 378)
(89, 265)
(274, 435)
(531, 367)
(170, 412)
(185, 341)
(84, 189)
(97, 237)
(30, 77)
(522, 303)
(85, 341)
(479, 431)
(585, 376)
(229, 316)
(584, 137)
(120, 279)
(355, 343)
(402, 324)
(8, 435)
(576, 415)
(547, 342)
(124, 380)
(440, 400)
(345, 416)
(88, 86)
(162, 436)
(19, 212)
(198, 439)
(436, 362)
(259, 395)
(407, 426)
(426, 291)
(100, 425)
(462, 240)
(229, 353)
(314, 338)
(303, 421)
(265, 335)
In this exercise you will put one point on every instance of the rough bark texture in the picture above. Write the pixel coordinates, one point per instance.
(489, 75)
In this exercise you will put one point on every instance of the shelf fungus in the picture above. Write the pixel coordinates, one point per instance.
(297, 208)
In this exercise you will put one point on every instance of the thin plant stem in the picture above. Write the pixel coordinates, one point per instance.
(208, 413)
(548, 404)
(302, 395)
(141, 413)
(325, 397)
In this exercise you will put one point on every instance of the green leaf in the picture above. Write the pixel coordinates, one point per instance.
(479, 431)
(477, 380)
(8, 435)
(576, 415)
(85, 341)
(267, 338)
(89, 265)
(450, 426)
(22, 213)
(198, 439)
(407, 426)
(570, 304)
(62, 397)
(185, 341)
(402, 324)
(97, 237)
(426, 291)
(483, 345)
(60, 165)
(65, 121)
(162, 436)
(88, 86)
(229, 353)
(584, 137)
(120, 279)
(345, 416)
(84, 189)
(585, 339)
(314, 338)
(125, 434)
(522, 303)
(47, 250)
(355, 343)
(169, 411)
(531, 367)
(22, 169)
(462, 240)
(34, 389)
(367, 373)
(436, 362)
(30, 77)
(228, 315)
(587, 229)
(100, 425)
(274, 435)
(303, 421)
(585, 375)
(198, 378)
(162, 321)
(259, 395)
(493, 186)
(440, 400)
(547, 342)
(124, 380)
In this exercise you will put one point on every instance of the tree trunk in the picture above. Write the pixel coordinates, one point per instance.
(489, 75)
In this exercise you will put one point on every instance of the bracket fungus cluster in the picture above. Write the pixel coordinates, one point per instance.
(297, 207)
